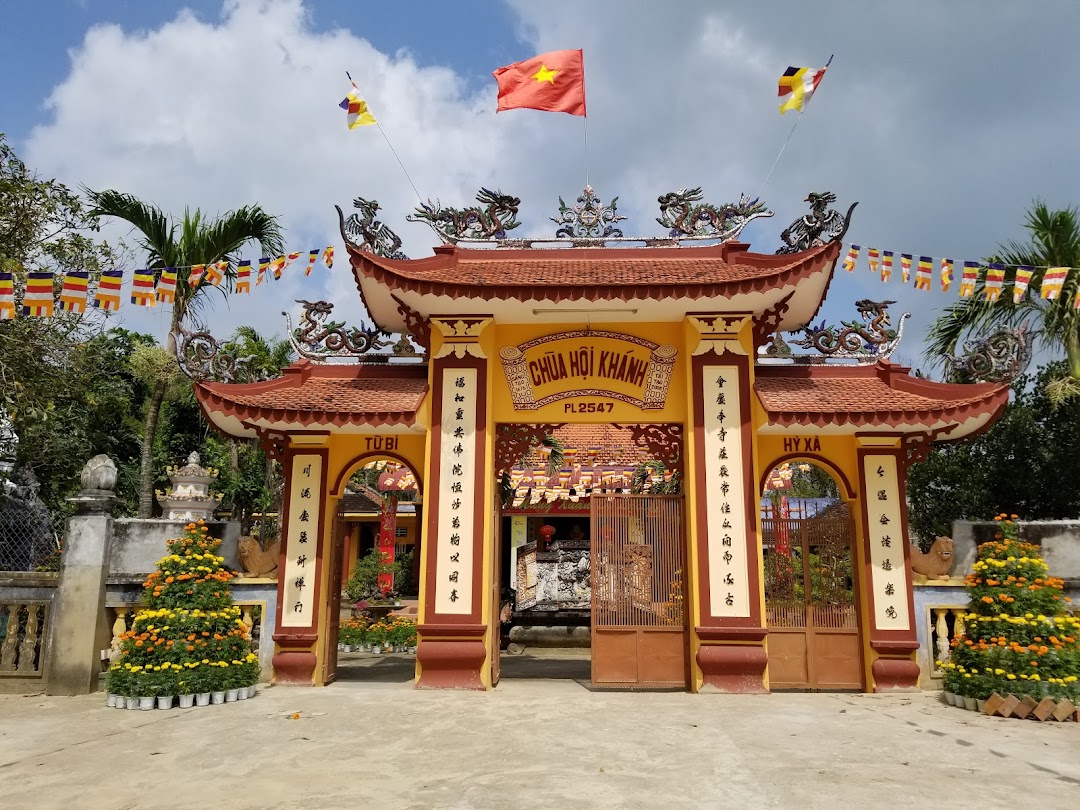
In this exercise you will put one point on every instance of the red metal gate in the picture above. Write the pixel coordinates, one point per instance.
(639, 625)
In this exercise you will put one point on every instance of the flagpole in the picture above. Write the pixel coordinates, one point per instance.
(585, 119)
(393, 150)
(788, 138)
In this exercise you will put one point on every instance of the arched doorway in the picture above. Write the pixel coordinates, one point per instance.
(810, 601)
(374, 571)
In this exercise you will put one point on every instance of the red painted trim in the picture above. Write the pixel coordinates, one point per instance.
(731, 633)
(348, 469)
(821, 461)
(449, 630)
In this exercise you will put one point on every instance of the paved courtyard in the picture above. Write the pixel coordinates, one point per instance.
(374, 742)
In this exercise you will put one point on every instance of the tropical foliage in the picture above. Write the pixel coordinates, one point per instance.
(1017, 637)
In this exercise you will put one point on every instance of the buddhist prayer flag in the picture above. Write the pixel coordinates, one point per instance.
(1053, 281)
(886, 265)
(264, 262)
(38, 296)
(358, 113)
(946, 274)
(166, 286)
(196, 276)
(142, 288)
(995, 276)
(1020, 285)
(905, 267)
(7, 295)
(874, 255)
(328, 256)
(107, 295)
(214, 271)
(312, 257)
(799, 83)
(278, 264)
(925, 274)
(553, 82)
(968, 279)
(73, 293)
(243, 276)
(852, 258)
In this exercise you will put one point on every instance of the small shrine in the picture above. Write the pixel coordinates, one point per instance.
(189, 497)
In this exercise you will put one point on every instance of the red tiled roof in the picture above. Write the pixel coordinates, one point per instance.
(332, 394)
(657, 272)
(883, 394)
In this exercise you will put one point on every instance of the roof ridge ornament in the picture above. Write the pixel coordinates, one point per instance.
(999, 357)
(318, 339)
(866, 342)
(203, 358)
(589, 222)
(365, 232)
(491, 219)
(820, 227)
(705, 221)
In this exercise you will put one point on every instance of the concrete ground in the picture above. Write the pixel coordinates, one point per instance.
(371, 741)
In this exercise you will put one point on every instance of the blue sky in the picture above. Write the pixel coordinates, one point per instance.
(944, 120)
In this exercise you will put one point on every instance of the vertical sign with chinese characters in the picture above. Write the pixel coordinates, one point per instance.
(456, 498)
(729, 588)
(888, 578)
(302, 541)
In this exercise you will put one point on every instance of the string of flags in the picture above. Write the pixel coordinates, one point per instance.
(992, 275)
(148, 287)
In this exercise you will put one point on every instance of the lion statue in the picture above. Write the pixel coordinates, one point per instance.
(256, 560)
(937, 562)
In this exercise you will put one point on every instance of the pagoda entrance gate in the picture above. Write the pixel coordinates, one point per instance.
(640, 635)
(810, 602)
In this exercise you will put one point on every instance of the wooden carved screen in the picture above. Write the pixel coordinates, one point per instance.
(639, 624)
(810, 602)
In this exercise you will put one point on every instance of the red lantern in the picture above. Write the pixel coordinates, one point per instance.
(546, 531)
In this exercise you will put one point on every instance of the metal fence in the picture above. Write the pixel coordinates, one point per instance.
(30, 539)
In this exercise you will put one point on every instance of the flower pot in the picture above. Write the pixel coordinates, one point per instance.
(186, 701)
(979, 704)
(970, 704)
(376, 649)
(947, 697)
(146, 703)
(202, 699)
(165, 701)
(110, 699)
(412, 650)
(231, 695)
(131, 703)
(217, 698)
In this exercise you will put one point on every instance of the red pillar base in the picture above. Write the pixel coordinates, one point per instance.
(294, 668)
(734, 668)
(895, 675)
(451, 656)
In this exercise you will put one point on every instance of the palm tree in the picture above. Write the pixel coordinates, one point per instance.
(1054, 242)
(195, 239)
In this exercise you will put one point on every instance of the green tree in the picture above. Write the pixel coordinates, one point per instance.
(194, 239)
(1053, 241)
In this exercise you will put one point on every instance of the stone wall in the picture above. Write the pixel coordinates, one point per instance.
(1058, 539)
(138, 544)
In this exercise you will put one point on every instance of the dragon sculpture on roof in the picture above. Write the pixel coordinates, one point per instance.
(491, 219)
(820, 227)
(683, 218)
(365, 232)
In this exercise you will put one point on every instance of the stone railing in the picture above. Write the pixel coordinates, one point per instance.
(939, 610)
(26, 600)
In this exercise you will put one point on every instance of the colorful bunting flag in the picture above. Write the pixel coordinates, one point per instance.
(73, 293)
(852, 258)
(142, 288)
(925, 274)
(7, 295)
(968, 279)
(196, 276)
(264, 263)
(278, 264)
(1023, 278)
(312, 257)
(1053, 281)
(166, 286)
(107, 295)
(358, 113)
(243, 276)
(886, 265)
(995, 276)
(328, 256)
(38, 296)
(213, 273)
(946, 274)
(875, 259)
(800, 83)
(905, 267)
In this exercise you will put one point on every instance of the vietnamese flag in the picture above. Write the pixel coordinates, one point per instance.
(553, 82)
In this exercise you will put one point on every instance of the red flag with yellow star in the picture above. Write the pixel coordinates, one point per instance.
(553, 82)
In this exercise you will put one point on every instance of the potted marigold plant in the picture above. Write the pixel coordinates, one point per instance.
(1018, 639)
